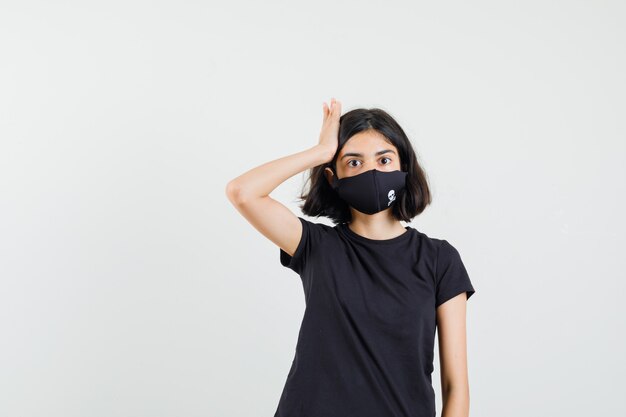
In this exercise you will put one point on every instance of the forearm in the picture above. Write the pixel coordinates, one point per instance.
(262, 180)
(455, 402)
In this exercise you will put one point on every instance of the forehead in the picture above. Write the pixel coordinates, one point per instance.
(369, 141)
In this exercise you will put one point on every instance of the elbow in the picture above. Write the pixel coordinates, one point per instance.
(232, 191)
(235, 193)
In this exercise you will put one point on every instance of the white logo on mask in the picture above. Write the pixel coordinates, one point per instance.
(392, 196)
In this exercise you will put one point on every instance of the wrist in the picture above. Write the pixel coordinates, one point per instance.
(324, 153)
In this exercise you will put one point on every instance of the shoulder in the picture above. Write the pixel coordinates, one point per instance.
(430, 242)
(439, 249)
(438, 243)
(313, 239)
(315, 224)
(315, 229)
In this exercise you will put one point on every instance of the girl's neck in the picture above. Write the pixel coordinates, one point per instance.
(377, 226)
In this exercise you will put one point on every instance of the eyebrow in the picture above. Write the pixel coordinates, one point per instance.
(360, 154)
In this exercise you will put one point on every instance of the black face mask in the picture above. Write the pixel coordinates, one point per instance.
(371, 191)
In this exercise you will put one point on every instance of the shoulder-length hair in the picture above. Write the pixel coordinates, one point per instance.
(322, 200)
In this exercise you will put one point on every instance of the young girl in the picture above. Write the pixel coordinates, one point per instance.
(375, 290)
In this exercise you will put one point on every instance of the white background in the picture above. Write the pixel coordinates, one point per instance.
(129, 286)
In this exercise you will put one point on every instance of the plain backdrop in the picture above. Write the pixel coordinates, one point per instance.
(130, 286)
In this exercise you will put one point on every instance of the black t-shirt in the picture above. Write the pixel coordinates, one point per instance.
(366, 342)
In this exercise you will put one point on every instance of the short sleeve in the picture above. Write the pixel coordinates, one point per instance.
(310, 236)
(451, 276)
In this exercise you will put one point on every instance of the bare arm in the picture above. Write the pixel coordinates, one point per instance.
(451, 329)
(249, 192)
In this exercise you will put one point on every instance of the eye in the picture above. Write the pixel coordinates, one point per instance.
(352, 160)
(389, 159)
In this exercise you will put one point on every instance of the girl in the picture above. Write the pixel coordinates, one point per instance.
(375, 290)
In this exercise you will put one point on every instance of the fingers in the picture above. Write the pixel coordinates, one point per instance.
(325, 110)
(337, 108)
(334, 109)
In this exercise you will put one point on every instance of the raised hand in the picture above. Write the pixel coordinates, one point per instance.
(329, 135)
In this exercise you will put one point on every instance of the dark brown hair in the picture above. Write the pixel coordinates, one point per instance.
(322, 200)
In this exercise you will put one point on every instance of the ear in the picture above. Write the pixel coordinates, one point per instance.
(329, 175)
